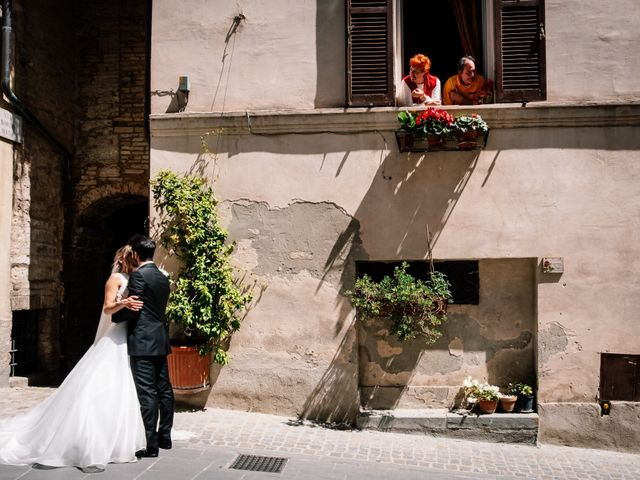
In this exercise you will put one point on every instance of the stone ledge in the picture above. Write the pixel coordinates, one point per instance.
(362, 120)
(497, 427)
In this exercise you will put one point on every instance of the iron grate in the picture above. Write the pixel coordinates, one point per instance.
(255, 463)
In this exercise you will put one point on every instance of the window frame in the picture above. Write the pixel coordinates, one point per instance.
(491, 10)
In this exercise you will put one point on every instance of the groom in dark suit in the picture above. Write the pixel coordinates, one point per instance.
(148, 345)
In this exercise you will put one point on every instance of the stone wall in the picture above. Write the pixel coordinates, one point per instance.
(44, 80)
(111, 169)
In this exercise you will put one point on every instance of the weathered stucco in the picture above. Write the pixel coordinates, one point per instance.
(306, 193)
(492, 341)
(290, 54)
(315, 202)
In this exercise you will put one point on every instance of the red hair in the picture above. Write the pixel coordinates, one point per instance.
(420, 61)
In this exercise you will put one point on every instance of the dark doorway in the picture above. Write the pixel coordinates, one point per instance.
(431, 28)
(106, 226)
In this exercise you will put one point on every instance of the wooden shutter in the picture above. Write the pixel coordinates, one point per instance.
(369, 53)
(520, 50)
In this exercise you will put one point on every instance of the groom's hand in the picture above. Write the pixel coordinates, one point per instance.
(132, 303)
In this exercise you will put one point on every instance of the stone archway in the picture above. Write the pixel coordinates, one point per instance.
(99, 231)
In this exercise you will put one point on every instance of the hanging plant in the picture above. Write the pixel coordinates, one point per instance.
(415, 307)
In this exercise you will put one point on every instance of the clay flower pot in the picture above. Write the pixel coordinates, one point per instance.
(508, 402)
(487, 406)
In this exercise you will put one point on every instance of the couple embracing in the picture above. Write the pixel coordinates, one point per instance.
(116, 405)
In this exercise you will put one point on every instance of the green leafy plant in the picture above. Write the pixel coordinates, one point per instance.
(520, 389)
(470, 123)
(416, 307)
(205, 300)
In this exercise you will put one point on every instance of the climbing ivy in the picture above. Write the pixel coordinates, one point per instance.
(205, 300)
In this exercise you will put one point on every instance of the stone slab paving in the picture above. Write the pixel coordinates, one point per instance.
(322, 453)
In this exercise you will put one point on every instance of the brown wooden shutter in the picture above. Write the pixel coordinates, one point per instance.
(369, 53)
(619, 377)
(520, 50)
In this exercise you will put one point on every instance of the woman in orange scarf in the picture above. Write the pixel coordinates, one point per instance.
(467, 87)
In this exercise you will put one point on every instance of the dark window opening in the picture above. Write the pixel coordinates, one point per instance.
(24, 343)
(442, 41)
(619, 377)
(463, 275)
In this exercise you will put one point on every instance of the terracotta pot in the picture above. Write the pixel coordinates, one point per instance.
(435, 140)
(188, 371)
(467, 140)
(487, 406)
(508, 402)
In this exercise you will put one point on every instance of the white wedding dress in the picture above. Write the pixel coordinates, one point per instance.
(92, 419)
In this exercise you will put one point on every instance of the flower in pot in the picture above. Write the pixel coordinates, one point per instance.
(483, 395)
(416, 308)
(433, 124)
(524, 392)
(467, 128)
(206, 300)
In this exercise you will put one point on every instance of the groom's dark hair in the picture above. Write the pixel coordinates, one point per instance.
(144, 246)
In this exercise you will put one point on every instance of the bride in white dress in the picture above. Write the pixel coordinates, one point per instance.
(93, 418)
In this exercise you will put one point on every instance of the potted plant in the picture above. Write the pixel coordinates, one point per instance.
(524, 392)
(416, 308)
(507, 402)
(432, 124)
(482, 395)
(467, 128)
(205, 300)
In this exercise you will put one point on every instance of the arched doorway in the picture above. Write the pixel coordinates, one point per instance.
(99, 232)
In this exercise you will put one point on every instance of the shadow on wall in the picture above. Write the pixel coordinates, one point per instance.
(335, 399)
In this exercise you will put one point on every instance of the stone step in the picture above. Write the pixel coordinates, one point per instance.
(496, 427)
(18, 382)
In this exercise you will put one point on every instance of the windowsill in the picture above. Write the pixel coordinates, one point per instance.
(364, 120)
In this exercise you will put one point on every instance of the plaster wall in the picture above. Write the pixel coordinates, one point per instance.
(290, 54)
(6, 196)
(533, 192)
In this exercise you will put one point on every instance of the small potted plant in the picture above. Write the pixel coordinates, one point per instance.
(467, 128)
(507, 402)
(483, 395)
(432, 124)
(524, 392)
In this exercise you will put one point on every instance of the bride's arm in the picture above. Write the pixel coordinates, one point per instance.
(112, 303)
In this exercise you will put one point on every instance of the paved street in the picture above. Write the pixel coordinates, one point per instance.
(313, 452)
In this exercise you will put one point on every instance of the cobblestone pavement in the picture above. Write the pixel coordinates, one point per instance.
(318, 452)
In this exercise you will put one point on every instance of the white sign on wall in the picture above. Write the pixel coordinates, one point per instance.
(10, 126)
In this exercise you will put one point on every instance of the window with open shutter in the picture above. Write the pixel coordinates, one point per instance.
(369, 53)
(520, 52)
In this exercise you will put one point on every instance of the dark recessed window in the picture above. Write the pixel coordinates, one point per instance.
(619, 377)
(463, 275)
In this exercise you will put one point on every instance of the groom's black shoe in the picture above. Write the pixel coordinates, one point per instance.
(147, 452)
(165, 444)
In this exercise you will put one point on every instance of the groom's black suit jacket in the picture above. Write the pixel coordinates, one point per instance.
(148, 333)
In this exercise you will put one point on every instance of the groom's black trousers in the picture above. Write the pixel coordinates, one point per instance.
(151, 377)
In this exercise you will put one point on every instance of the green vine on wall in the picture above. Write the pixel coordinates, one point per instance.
(206, 300)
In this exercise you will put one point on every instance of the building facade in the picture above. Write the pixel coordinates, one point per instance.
(295, 101)
(314, 192)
